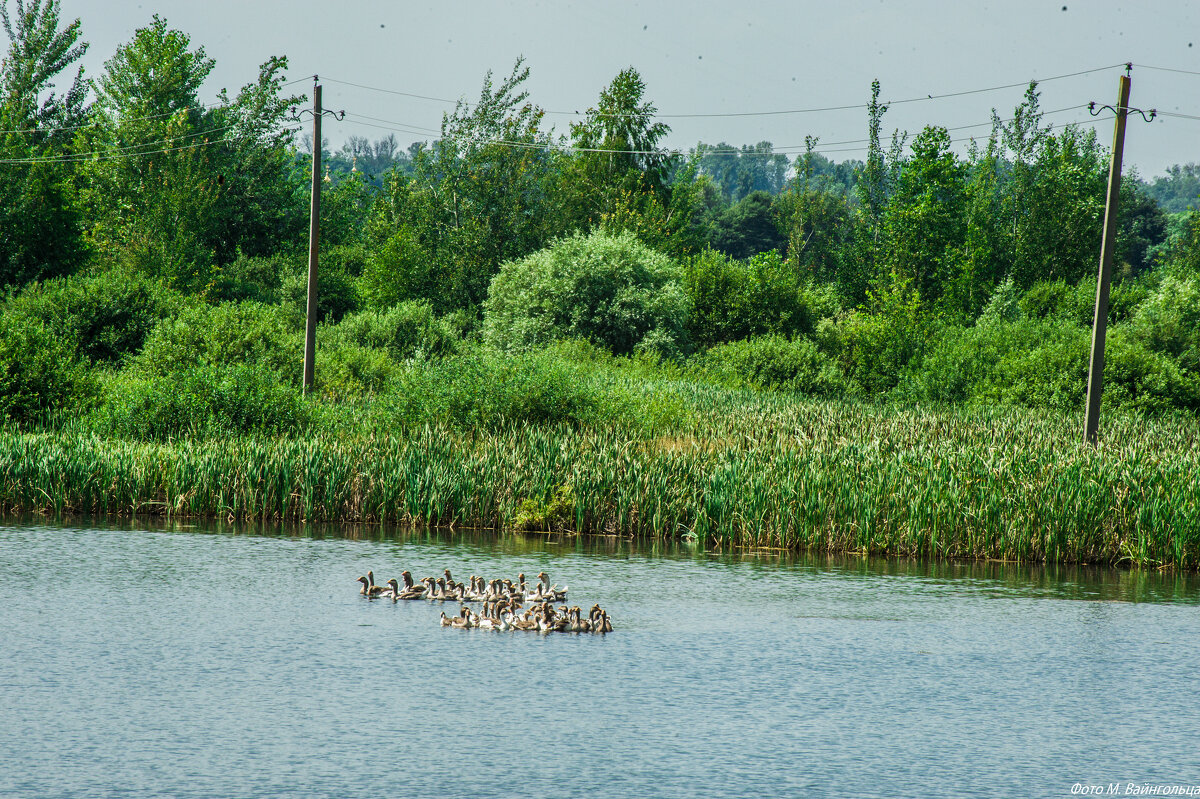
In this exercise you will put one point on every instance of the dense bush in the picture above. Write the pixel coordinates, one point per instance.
(251, 278)
(398, 270)
(733, 299)
(874, 348)
(39, 371)
(1031, 362)
(202, 400)
(407, 330)
(1141, 379)
(268, 337)
(363, 353)
(1168, 321)
(107, 315)
(1060, 300)
(489, 390)
(348, 371)
(772, 363)
(337, 289)
(609, 289)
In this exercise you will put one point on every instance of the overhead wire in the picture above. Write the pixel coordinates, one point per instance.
(133, 150)
(1166, 69)
(390, 125)
(814, 110)
(216, 104)
(93, 123)
(786, 150)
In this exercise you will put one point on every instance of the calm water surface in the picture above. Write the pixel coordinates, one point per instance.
(194, 661)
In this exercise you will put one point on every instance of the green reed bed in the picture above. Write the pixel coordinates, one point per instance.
(744, 469)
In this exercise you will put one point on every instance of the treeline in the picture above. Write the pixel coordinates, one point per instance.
(153, 249)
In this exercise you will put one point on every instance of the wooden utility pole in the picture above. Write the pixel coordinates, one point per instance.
(314, 234)
(1096, 366)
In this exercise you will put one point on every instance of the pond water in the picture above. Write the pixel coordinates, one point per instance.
(199, 661)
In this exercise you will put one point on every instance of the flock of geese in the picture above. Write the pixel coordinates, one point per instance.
(503, 602)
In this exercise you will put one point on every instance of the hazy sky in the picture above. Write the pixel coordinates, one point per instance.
(705, 57)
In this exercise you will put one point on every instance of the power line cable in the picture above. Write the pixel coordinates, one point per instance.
(786, 150)
(93, 123)
(823, 109)
(1167, 69)
(132, 150)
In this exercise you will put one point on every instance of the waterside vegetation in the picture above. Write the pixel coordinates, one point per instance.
(737, 468)
(583, 333)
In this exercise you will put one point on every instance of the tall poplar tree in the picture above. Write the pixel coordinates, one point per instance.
(40, 228)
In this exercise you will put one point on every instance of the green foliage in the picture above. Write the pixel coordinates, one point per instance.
(740, 171)
(819, 227)
(746, 228)
(1178, 190)
(349, 372)
(363, 353)
(345, 209)
(40, 224)
(107, 315)
(474, 201)
(772, 363)
(875, 347)
(488, 391)
(1061, 300)
(1141, 227)
(872, 181)
(1056, 207)
(558, 513)
(207, 183)
(611, 290)
(248, 277)
(337, 290)
(1168, 321)
(1141, 379)
(1187, 251)
(925, 223)
(266, 337)
(399, 269)
(619, 137)
(733, 299)
(204, 400)
(1028, 362)
(404, 331)
(39, 371)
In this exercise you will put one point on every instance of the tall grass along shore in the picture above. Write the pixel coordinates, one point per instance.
(736, 468)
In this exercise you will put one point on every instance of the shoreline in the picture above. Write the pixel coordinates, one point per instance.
(1035, 501)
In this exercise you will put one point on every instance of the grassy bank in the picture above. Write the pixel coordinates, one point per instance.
(738, 468)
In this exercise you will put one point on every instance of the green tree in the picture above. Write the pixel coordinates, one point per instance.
(481, 195)
(618, 139)
(732, 299)
(740, 171)
(985, 247)
(40, 224)
(746, 228)
(925, 222)
(1054, 201)
(816, 217)
(178, 189)
(872, 180)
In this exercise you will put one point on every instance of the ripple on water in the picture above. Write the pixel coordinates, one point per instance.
(206, 661)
